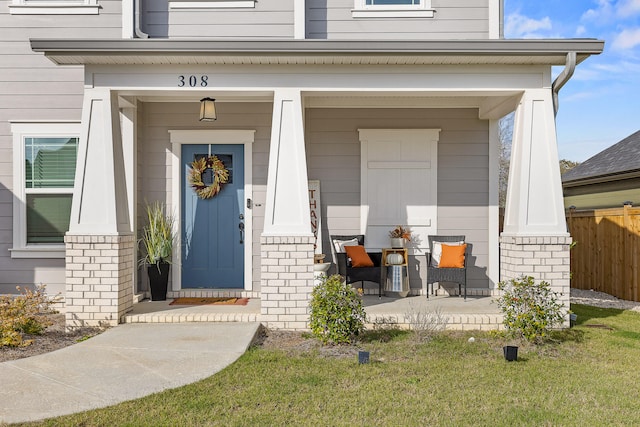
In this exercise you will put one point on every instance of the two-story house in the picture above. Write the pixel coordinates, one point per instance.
(392, 105)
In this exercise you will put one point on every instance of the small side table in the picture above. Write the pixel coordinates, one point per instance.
(399, 280)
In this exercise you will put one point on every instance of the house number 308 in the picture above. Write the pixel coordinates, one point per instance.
(193, 81)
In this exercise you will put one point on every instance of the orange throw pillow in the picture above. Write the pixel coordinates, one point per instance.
(359, 257)
(452, 256)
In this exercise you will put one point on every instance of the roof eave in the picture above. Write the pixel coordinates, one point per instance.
(599, 179)
(550, 52)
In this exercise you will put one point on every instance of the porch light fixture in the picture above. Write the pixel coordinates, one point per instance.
(207, 110)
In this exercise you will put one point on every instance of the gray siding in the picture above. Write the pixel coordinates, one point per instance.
(33, 88)
(454, 19)
(269, 19)
(154, 159)
(333, 151)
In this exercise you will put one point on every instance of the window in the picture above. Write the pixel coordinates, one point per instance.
(44, 173)
(212, 4)
(392, 9)
(54, 7)
(392, 2)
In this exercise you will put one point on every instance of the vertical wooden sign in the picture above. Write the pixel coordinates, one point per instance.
(314, 206)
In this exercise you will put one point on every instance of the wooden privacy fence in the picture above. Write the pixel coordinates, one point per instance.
(606, 250)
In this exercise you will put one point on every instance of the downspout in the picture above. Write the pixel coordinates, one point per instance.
(136, 23)
(565, 75)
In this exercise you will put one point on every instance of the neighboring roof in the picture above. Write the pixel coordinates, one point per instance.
(620, 158)
(204, 51)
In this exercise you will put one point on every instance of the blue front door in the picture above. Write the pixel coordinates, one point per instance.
(212, 229)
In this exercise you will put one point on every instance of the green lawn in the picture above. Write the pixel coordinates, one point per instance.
(590, 378)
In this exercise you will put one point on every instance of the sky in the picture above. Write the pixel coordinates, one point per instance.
(600, 105)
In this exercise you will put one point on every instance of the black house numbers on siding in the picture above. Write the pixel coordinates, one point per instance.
(193, 81)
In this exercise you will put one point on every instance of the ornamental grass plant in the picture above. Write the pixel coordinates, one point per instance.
(158, 235)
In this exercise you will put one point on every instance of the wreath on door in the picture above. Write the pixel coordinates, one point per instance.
(220, 176)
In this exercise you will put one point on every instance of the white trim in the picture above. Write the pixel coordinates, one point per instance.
(179, 137)
(128, 19)
(299, 20)
(73, 7)
(493, 266)
(495, 18)
(20, 131)
(216, 4)
(422, 10)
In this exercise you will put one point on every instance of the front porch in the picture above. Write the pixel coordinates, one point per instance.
(389, 145)
(477, 313)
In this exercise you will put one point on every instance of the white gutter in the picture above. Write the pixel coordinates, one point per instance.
(138, 32)
(563, 78)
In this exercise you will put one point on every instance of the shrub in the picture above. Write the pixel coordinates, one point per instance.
(530, 309)
(337, 315)
(24, 314)
(425, 322)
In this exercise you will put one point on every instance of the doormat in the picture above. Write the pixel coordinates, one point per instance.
(209, 301)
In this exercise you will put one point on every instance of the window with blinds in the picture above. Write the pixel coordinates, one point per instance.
(50, 165)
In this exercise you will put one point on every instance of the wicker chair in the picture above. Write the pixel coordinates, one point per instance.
(358, 274)
(455, 275)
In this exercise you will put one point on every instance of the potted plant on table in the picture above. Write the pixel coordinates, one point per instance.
(399, 236)
(157, 241)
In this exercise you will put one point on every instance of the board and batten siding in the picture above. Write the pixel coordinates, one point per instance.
(154, 154)
(33, 88)
(454, 19)
(269, 19)
(333, 152)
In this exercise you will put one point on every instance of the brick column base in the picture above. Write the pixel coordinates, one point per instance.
(99, 284)
(543, 258)
(286, 281)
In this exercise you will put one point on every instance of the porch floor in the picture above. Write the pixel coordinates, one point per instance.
(477, 313)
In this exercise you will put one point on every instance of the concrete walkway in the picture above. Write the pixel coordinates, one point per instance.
(123, 363)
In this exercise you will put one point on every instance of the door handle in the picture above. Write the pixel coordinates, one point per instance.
(241, 227)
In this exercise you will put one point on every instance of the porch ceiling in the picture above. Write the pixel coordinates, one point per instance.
(314, 52)
(491, 103)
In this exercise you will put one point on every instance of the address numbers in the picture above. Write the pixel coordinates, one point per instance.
(193, 81)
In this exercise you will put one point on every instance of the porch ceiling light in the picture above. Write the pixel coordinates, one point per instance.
(207, 110)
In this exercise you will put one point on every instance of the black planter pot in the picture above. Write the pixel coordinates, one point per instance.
(510, 353)
(158, 279)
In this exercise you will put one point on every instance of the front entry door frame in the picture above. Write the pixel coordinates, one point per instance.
(244, 137)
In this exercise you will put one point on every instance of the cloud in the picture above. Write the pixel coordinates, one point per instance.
(628, 8)
(627, 39)
(520, 26)
(603, 12)
(580, 30)
(608, 11)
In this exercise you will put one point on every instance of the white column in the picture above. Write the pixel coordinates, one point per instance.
(534, 205)
(287, 241)
(129, 128)
(100, 245)
(535, 241)
(493, 268)
(100, 202)
(287, 203)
